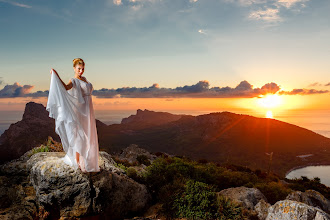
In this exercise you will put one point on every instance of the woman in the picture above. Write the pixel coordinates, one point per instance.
(72, 108)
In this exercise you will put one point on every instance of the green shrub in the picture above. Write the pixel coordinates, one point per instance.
(228, 209)
(143, 159)
(131, 172)
(198, 201)
(274, 191)
(42, 148)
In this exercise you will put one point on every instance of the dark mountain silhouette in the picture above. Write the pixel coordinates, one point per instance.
(225, 137)
(221, 137)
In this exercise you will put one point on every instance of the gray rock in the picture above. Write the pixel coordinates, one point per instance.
(68, 193)
(289, 209)
(131, 152)
(262, 209)
(312, 198)
(247, 197)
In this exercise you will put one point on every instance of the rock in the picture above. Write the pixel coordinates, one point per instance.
(148, 118)
(247, 197)
(68, 193)
(17, 199)
(289, 209)
(33, 129)
(312, 198)
(262, 209)
(133, 151)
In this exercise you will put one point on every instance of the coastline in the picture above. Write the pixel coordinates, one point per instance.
(306, 165)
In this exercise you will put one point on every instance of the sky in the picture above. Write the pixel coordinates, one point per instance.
(169, 54)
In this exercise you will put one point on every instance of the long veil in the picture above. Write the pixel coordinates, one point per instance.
(65, 106)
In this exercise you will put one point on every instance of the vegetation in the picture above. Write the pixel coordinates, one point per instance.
(143, 159)
(187, 189)
(48, 146)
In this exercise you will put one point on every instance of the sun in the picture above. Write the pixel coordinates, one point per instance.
(270, 101)
(269, 114)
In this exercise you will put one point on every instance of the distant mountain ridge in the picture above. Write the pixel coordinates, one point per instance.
(222, 137)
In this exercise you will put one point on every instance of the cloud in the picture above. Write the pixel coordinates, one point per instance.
(16, 4)
(268, 15)
(269, 11)
(1, 81)
(328, 84)
(117, 2)
(316, 84)
(17, 90)
(290, 3)
(303, 92)
(199, 90)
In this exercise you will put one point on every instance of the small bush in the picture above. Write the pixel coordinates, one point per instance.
(143, 159)
(198, 201)
(131, 172)
(42, 148)
(228, 209)
(274, 191)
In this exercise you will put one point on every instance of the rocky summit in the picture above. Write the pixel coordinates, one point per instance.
(43, 186)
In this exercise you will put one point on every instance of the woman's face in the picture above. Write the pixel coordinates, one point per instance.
(79, 69)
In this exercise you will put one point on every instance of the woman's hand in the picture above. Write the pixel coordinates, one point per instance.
(53, 70)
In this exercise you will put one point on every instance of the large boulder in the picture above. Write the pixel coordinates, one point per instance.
(65, 192)
(43, 186)
(289, 209)
(247, 197)
(312, 198)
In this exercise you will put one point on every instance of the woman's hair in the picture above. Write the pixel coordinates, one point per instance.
(78, 61)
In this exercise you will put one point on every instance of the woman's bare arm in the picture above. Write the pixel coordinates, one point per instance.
(66, 86)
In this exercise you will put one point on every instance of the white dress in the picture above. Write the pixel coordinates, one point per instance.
(75, 122)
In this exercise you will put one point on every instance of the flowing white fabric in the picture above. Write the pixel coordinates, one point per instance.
(75, 122)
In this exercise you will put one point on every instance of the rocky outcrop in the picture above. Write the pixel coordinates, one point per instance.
(148, 117)
(312, 198)
(288, 210)
(33, 129)
(246, 197)
(55, 190)
(133, 151)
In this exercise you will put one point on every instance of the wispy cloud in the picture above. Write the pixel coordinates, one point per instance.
(303, 92)
(291, 3)
(269, 11)
(16, 4)
(268, 15)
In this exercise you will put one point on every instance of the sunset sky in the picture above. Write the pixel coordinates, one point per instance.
(203, 55)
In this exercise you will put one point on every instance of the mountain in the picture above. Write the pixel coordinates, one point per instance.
(222, 137)
(226, 137)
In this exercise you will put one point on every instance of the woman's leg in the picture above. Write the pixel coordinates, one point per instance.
(77, 158)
